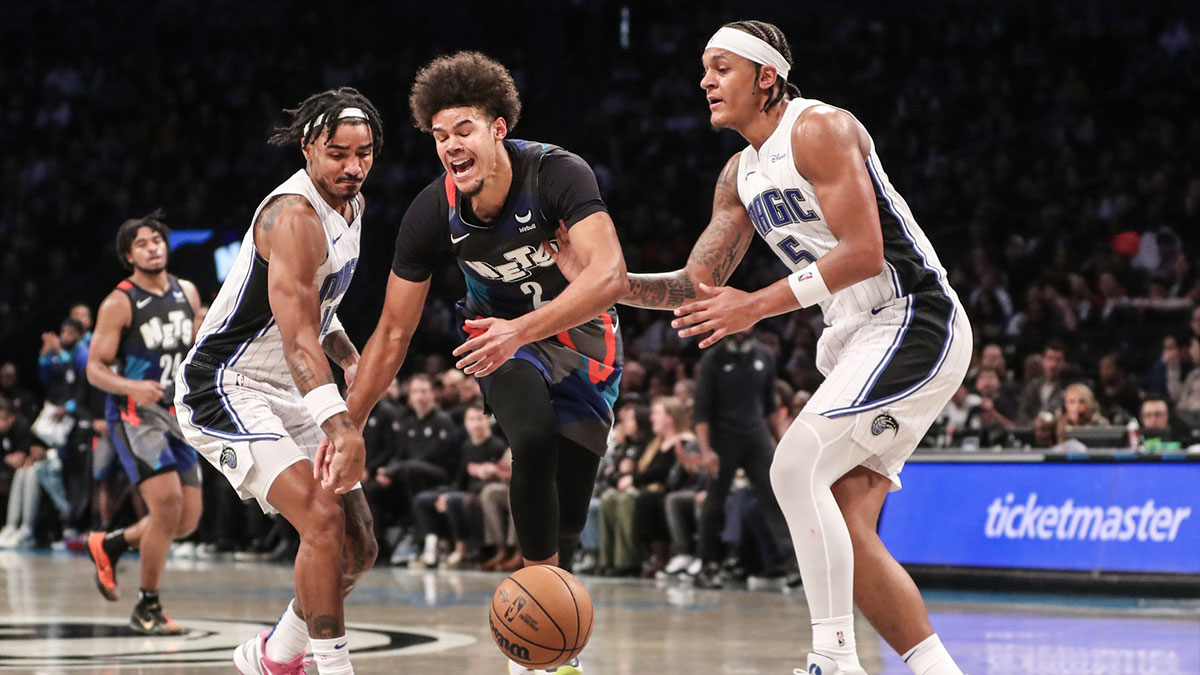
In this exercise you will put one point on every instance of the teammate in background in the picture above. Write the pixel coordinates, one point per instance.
(896, 344)
(547, 353)
(143, 329)
(256, 394)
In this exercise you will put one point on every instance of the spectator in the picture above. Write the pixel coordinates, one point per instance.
(1044, 392)
(1156, 422)
(426, 457)
(993, 413)
(12, 391)
(1116, 397)
(1166, 375)
(60, 372)
(456, 510)
(498, 527)
(1079, 410)
(33, 469)
(1189, 392)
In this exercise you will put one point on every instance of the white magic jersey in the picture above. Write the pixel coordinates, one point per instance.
(239, 334)
(785, 212)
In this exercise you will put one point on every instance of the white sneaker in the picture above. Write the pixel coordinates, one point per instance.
(430, 555)
(679, 564)
(250, 659)
(9, 536)
(693, 569)
(823, 665)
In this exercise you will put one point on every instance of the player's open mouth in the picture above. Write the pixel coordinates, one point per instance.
(713, 103)
(462, 167)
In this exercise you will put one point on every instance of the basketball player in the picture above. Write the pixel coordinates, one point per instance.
(895, 348)
(547, 353)
(256, 394)
(144, 328)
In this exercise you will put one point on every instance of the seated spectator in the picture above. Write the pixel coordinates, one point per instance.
(1079, 410)
(632, 513)
(12, 391)
(1116, 397)
(993, 413)
(1189, 393)
(1045, 430)
(1046, 391)
(1166, 375)
(498, 527)
(684, 505)
(33, 468)
(1156, 426)
(455, 510)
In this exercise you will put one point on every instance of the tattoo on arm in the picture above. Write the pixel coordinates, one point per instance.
(306, 380)
(660, 291)
(725, 240)
(270, 214)
(338, 347)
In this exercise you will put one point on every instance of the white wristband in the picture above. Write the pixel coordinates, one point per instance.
(324, 402)
(808, 286)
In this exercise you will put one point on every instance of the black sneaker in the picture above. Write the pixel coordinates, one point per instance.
(148, 619)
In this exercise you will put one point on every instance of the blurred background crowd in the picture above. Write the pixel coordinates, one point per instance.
(1050, 151)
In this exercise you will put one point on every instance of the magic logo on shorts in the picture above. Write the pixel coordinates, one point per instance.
(229, 457)
(882, 423)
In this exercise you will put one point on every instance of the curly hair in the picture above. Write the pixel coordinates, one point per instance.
(325, 107)
(770, 33)
(464, 79)
(127, 233)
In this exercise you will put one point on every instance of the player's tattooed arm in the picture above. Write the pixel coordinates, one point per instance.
(269, 216)
(338, 348)
(714, 257)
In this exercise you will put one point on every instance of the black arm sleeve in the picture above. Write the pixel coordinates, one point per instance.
(568, 188)
(423, 240)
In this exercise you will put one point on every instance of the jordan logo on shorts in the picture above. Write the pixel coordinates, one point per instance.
(229, 457)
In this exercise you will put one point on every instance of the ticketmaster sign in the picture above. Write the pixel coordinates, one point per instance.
(1132, 517)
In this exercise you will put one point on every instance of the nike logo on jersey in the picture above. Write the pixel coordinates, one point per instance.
(338, 238)
(143, 302)
(455, 240)
(525, 218)
(877, 310)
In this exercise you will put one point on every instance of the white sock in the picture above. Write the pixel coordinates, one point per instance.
(289, 638)
(930, 657)
(332, 656)
(835, 638)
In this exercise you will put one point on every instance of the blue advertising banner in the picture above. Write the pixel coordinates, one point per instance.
(1112, 517)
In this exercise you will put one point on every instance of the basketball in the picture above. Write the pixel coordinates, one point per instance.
(541, 617)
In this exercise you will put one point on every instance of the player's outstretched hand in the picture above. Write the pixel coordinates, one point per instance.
(343, 461)
(493, 341)
(722, 314)
(564, 254)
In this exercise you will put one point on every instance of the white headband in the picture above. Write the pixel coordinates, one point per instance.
(746, 45)
(346, 112)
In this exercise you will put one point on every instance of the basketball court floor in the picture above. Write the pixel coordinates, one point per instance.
(434, 623)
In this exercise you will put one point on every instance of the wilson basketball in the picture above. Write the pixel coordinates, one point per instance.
(541, 617)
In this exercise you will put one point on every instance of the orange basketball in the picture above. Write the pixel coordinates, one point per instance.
(541, 617)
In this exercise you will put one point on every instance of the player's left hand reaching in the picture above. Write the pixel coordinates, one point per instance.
(340, 460)
(725, 313)
(493, 341)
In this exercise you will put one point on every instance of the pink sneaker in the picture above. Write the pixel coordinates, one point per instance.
(250, 658)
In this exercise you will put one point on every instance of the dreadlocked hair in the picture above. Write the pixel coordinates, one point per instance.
(461, 80)
(770, 34)
(326, 106)
(129, 229)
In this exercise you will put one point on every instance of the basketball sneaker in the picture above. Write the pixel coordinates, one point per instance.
(571, 667)
(148, 619)
(823, 665)
(106, 572)
(250, 658)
